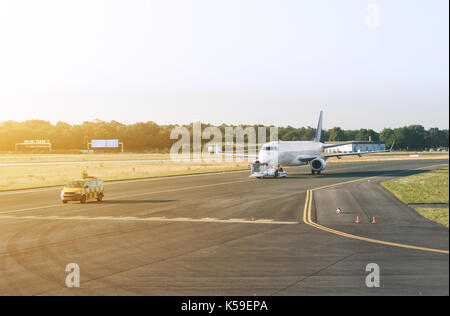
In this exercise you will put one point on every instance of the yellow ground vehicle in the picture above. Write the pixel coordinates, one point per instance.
(84, 189)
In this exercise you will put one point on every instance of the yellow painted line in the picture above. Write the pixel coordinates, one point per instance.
(335, 171)
(307, 220)
(367, 178)
(305, 210)
(309, 207)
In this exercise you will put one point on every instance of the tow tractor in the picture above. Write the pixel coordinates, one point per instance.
(264, 170)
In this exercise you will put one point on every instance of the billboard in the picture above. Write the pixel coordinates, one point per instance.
(112, 143)
(31, 143)
(105, 143)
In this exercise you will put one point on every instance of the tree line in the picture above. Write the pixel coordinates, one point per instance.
(149, 136)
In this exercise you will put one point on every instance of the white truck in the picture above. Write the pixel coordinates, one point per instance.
(263, 170)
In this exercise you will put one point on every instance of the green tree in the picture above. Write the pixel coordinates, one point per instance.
(336, 134)
(387, 136)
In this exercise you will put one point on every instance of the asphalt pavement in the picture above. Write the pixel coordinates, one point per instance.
(227, 234)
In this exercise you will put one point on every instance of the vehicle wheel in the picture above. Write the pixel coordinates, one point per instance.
(313, 172)
(319, 172)
(100, 197)
(64, 202)
(83, 199)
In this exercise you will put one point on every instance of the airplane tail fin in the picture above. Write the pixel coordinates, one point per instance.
(319, 129)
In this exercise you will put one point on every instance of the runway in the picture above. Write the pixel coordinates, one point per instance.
(227, 234)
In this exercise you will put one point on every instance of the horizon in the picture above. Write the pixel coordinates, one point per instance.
(224, 123)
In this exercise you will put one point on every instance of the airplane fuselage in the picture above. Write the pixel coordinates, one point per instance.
(289, 153)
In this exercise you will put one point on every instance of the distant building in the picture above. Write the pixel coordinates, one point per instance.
(355, 147)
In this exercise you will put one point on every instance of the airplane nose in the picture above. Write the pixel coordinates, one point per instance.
(263, 158)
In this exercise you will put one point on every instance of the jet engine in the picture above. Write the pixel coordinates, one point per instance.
(318, 165)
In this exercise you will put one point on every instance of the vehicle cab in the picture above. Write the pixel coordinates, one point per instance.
(83, 189)
(263, 170)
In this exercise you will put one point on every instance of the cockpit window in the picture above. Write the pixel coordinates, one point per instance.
(269, 148)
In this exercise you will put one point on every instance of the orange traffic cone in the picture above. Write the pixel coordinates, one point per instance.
(357, 220)
(373, 220)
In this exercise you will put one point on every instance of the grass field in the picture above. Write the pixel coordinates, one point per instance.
(424, 188)
(439, 215)
(25, 177)
(26, 158)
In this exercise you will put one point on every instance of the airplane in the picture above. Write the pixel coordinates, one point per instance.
(297, 153)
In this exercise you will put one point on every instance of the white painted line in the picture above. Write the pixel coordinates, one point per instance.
(264, 220)
(146, 219)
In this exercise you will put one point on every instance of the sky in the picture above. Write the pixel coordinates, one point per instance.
(274, 62)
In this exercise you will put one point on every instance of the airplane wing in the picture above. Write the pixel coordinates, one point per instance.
(218, 151)
(237, 155)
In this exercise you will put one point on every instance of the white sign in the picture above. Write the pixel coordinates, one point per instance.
(112, 143)
(33, 142)
(98, 143)
(105, 143)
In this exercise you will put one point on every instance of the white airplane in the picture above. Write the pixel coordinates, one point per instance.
(297, 153)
